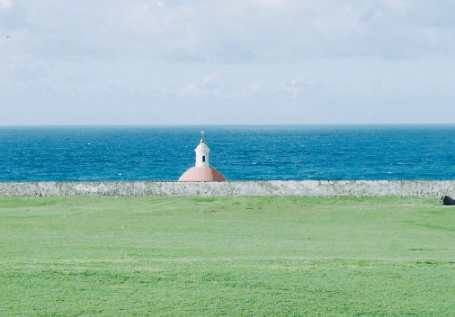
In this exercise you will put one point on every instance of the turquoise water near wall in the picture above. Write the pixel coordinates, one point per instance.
(321, 152)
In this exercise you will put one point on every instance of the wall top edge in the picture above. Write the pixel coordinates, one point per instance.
(260, 181)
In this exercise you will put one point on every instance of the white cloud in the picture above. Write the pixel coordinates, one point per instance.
(5, 4)
(210, 78)
(210, 85)
(191, 88)
(321, 54)
(255, 88)
(294, 87)
(266, 31)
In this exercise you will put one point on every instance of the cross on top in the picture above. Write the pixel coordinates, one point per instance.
(202, 132)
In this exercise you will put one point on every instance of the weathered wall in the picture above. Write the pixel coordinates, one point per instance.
(429, 189)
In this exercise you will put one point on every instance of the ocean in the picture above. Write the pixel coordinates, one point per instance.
(239, 152)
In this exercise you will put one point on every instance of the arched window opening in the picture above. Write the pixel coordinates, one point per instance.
(203, 158)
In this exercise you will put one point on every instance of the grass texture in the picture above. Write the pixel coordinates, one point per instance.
(226, 256)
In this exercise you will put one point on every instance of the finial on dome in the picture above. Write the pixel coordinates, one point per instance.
(202, 140)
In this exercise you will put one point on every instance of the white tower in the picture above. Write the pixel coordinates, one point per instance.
(202, 153)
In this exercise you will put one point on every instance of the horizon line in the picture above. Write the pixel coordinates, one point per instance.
(202, 124)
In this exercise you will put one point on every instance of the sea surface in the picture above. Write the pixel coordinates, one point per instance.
(274, 152)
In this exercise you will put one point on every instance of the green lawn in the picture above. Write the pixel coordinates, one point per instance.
(255, 256)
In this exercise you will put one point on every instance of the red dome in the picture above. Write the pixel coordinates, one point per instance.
(202, 174)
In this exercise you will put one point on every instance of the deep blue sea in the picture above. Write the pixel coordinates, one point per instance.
(288, 152)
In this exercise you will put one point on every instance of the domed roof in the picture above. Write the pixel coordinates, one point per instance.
(202, 174)
(202, 146)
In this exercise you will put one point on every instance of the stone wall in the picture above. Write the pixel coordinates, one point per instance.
(429, 189)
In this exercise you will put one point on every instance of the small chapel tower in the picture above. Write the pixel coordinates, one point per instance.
(202, 153)
(202, 172)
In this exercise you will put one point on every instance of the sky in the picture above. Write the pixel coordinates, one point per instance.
(129, 62)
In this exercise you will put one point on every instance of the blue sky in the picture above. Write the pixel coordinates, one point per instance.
(226, 62)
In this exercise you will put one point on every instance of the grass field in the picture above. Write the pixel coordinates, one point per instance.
(254, 256)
